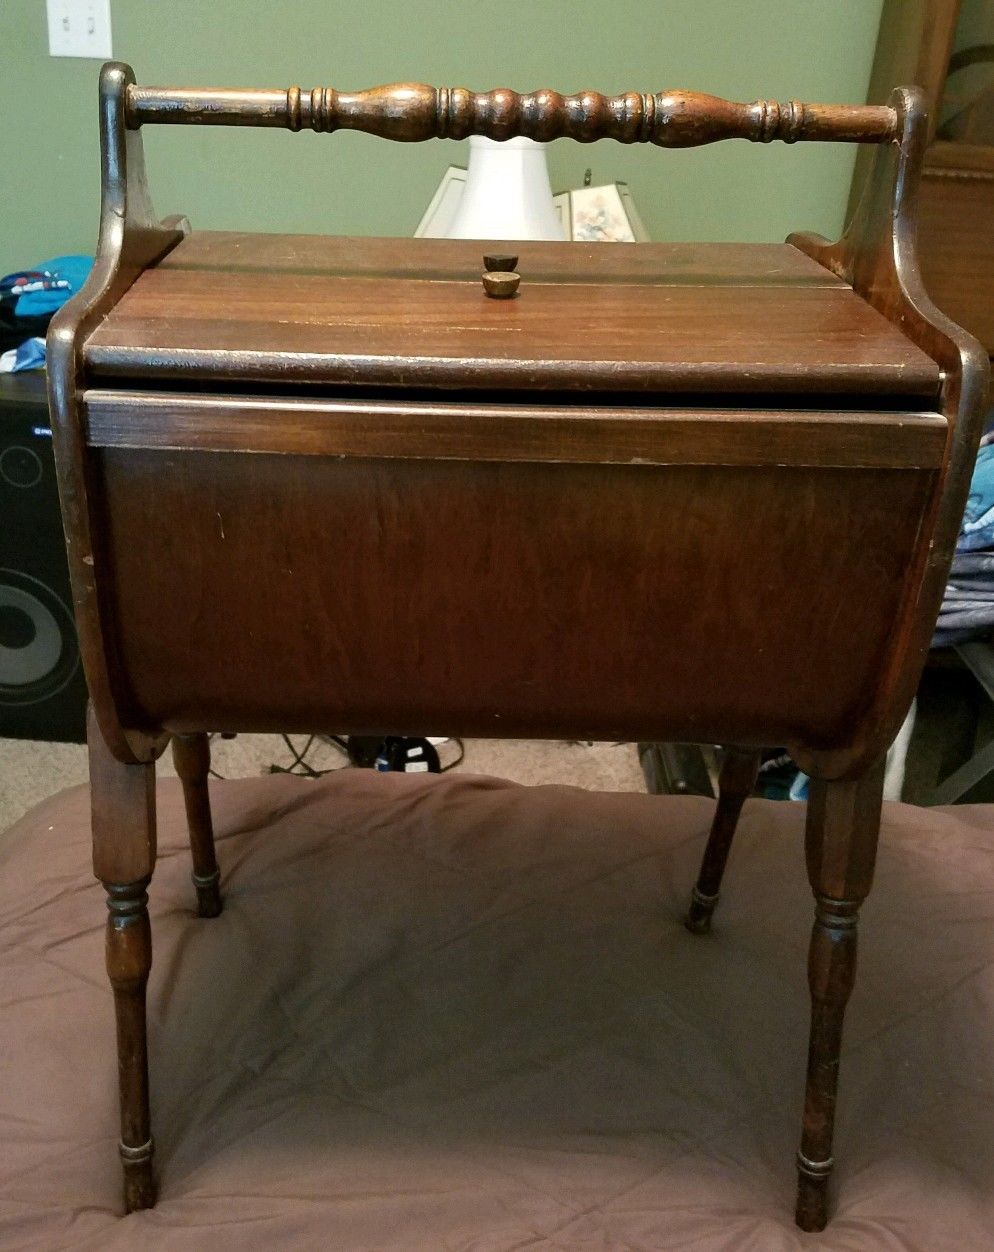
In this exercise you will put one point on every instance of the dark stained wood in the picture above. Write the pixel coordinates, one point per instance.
(130, 240)
(956, 235)
(877, 256)
(913, 46)
(500, 263)
(458, 260)
(122, 811)
(129, 960)
(957, 161)
(841, 845)
(192, 758)
(565, 433)
(413, 112)
(668, 492)
(573, 325)
(123, 804)
(577, 610)
(738, 775)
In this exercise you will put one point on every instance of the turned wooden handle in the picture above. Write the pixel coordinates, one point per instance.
(412, 112)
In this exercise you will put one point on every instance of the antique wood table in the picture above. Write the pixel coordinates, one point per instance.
(704, 493)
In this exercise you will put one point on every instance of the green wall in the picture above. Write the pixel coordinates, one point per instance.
(354, 184)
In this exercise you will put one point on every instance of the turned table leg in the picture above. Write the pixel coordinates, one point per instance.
(192, 758)
(735, 783)
(843, 825)
(123, 813)
(129, 959)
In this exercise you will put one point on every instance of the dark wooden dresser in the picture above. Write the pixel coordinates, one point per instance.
(694, 492)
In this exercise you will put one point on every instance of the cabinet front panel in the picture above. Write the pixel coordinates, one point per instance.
(724, 603)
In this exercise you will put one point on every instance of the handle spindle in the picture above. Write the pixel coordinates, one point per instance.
(414, 112)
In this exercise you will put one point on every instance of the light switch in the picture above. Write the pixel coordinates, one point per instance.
(79, 28)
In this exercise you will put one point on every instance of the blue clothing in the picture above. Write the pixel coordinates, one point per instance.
(30, 355)
(978, 520)
(65, 275)
(968, 604)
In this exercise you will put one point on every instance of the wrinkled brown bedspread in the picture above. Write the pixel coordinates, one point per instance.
(463, 1014)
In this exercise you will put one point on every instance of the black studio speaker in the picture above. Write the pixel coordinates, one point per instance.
(42, 689)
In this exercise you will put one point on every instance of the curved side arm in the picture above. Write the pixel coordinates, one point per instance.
(877, 256)
(130, 240)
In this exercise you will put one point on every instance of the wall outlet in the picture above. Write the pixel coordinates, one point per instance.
(79, 28)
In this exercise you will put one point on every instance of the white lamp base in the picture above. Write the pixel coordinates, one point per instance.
(507, 193)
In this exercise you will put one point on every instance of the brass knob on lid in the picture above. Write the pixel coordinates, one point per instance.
(500, 284)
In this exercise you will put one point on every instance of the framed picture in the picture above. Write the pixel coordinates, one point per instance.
(604, 214)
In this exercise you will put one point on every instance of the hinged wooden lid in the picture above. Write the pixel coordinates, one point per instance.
(664, 318)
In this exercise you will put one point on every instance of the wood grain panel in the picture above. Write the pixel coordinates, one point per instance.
(505, 432)
(749, 264)
(579, 609)
(570, 327)
(956, 238)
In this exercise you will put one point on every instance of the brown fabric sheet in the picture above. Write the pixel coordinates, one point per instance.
(463, 1014)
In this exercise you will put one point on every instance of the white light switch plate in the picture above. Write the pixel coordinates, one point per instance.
(79, 28)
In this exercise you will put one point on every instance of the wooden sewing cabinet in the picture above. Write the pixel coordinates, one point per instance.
(673, 491)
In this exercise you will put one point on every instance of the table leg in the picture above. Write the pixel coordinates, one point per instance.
(123, 819)
(735, 783)
(843, 825)
(129, 959)
(192, 758)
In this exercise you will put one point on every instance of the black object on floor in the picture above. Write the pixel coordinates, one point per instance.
(676, 769)
(409, 756)
(42, 688)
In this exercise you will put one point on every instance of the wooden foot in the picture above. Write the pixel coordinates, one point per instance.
(735, 783)
(139, 1179)
(192, 758)
(123, 804)
(841, 843)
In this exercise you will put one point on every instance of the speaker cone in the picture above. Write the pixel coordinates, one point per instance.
(38, 649)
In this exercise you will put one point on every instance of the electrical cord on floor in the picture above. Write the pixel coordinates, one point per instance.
(302, 768)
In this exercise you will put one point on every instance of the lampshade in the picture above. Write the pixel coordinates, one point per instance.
(507, 194)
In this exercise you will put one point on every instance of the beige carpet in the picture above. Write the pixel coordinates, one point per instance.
(465, 1015)
(30, 771)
